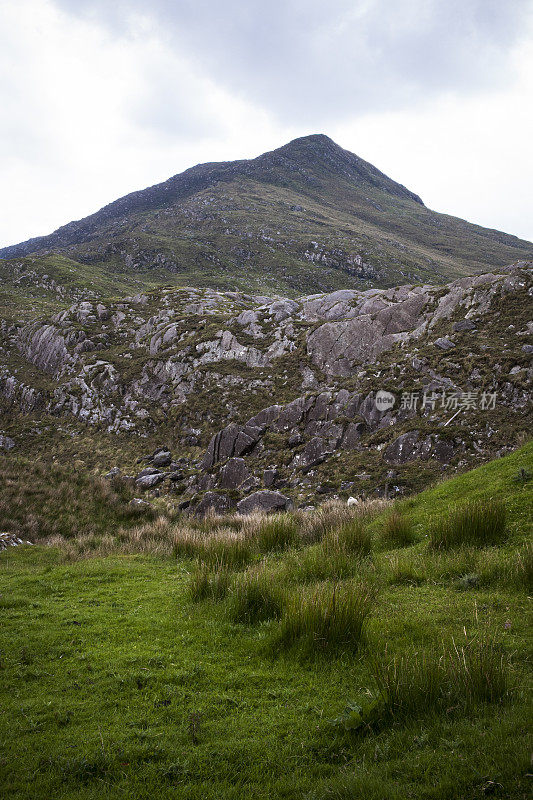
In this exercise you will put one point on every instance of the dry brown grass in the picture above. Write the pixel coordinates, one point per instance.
(40, 500)
(89, 516)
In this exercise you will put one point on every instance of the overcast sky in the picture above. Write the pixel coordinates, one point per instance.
(102, 97)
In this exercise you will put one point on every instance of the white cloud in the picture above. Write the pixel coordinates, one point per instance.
(87, 117)
(469, 157)
(98, 104)
(312, 62)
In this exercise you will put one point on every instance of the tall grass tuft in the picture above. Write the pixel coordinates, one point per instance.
(326, 617)
(398, 530)
(454, 677)
(255, 597)
(222, 546)
(477, 524)
(404, 572)
(351, 537)
(226, 547)
(521, 568)
(209, 582)
(477, 672)
(277, 532)
(409, 684)
(318, 563)
(333, 514)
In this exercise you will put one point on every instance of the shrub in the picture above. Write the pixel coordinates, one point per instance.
(327, 617)
(398, 530)
(209, 582)
(255, 597)
(477, 524)
(278, 532)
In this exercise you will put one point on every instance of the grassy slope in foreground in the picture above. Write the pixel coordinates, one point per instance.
(114, 684)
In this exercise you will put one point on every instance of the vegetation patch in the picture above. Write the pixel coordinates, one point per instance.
(324, 618)
(479, 523)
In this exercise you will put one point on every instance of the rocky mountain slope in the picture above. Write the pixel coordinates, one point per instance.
(307, 217)
(222, 395)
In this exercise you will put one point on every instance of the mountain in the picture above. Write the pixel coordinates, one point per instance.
(307, 217)
(245, 315)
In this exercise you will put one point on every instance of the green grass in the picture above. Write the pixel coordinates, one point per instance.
(324, 618)
(479, 523)
(115, 683)
(256, 597)
(495, 480)
(277, 533)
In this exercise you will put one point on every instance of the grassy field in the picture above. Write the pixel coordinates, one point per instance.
(126, 674)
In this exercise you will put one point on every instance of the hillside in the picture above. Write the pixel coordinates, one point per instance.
(307, 217)
(248, 394)
(128, 673)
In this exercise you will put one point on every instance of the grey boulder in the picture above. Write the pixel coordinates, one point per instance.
(265, 501)
(233, 474)
(444, 343)
(212, 502)
(149, 481)
(162, 458)
(6, 443)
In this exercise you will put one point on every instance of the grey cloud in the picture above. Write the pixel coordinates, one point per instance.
(171, 103)
(308, 60)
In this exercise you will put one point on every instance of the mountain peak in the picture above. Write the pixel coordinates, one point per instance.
(320, 155)
(306, 216)
(312, 140)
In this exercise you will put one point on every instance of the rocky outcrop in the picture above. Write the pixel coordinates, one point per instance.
(233, 440)
(412, 446)
(44, 347)
(264, 501)
(272, 393)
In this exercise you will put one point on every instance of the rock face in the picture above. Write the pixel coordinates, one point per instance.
(258, 393)
(233, 440)
(338, 347)
(264, 501)
(44, 346)
(411, 446)
(212, 502)
(233, 474)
